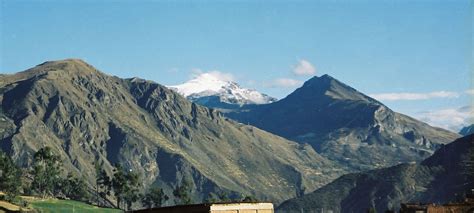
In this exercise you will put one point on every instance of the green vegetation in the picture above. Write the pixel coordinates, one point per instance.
(125, 185)
(54, 205)
(223, 196)
(74, 188)
(182, 192)
(154, 197)
(47, 182)
(46, 171)
(9, 176)
(103, 186)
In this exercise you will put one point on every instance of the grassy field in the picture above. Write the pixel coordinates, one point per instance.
(54, 205)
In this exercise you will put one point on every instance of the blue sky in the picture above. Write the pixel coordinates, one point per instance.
(418, 51)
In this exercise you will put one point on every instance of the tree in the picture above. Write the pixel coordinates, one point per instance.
(46, 171)
(10, 176)
(154, 197)
(131, 196)
(223, 196)
(103, 185)
(119, 184)
(211, 198)
(97, 172)
(182, 192)
(125, 185)
(75, 188)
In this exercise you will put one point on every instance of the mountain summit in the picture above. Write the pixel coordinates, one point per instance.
(316, 88)
(211, 90)
(345, 125)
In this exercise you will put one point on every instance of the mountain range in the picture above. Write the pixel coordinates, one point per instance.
(346, 126)
(251, 145)
(341, 123)
(444, 177)
(89, 117)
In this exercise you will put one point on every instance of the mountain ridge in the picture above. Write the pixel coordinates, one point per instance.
(86, 116)
(345, 125)
(467, 130)
(444, 177)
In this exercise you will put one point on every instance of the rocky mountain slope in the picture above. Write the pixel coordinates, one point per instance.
(346, 126)
(86, 116)
(467, 130)
(211, 91)
(444, 177)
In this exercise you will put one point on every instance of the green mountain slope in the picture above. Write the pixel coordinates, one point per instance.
(441, 178)
(87, 116)
(346, 126)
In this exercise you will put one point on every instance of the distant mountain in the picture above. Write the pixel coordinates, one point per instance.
(444, 177)
(467, 130)
(89, 117)
(209, 90)
(346, 126)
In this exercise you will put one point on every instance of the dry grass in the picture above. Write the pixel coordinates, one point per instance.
(8, 206)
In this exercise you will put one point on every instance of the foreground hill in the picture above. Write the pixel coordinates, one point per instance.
(86, 116)
(346, 126)
(446, 176)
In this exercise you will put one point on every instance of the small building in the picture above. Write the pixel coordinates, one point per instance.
(214, 208)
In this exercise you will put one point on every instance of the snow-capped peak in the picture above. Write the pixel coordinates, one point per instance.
(214, 84)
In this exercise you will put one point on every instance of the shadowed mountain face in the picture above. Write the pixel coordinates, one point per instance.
(346, 126)
(446, 176)
(467, 130)
(86, 116)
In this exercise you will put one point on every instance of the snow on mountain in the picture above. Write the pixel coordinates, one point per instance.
(211, 84)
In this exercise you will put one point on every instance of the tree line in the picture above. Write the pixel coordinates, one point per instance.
(47, 179)
(44, 179)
